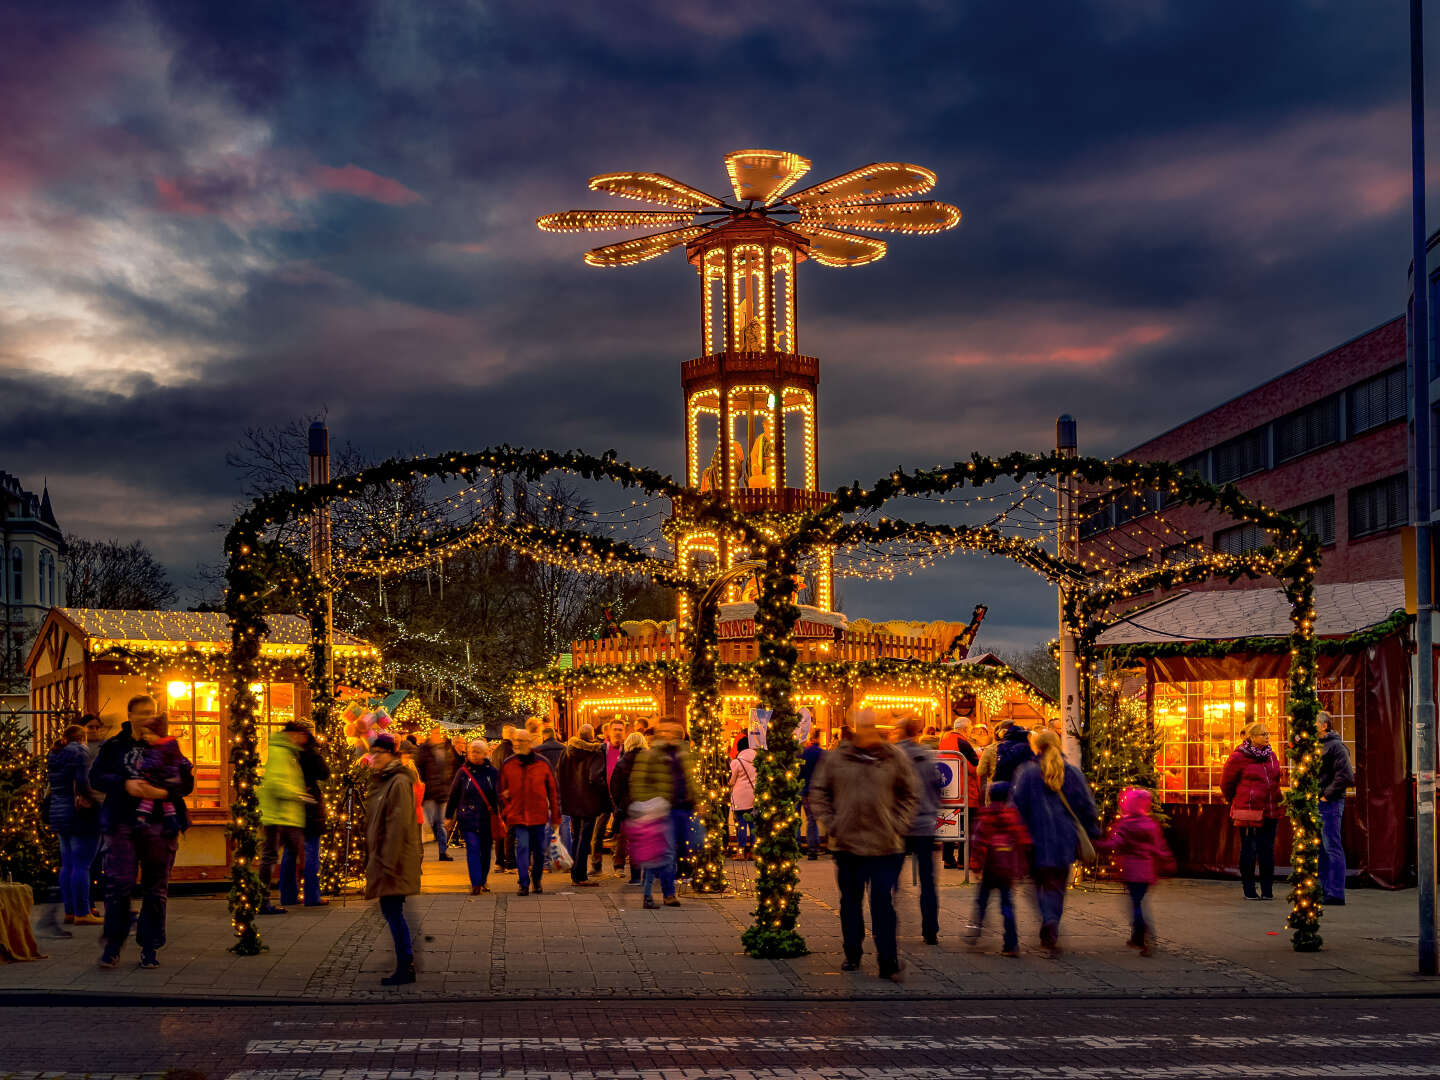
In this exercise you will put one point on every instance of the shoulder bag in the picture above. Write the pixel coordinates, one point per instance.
(497, 829)
(1087, 848)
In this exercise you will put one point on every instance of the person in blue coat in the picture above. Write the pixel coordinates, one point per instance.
(474, 803)
(75, 817)
(1012, 751)
(1052, 798)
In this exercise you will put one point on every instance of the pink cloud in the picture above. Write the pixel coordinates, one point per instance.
(1063, 343)
(353, 180)
(174, 200)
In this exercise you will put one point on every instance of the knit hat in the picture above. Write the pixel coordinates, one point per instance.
(1134, 802)
(384, 742)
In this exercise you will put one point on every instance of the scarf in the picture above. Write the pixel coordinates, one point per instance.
(1259, 753)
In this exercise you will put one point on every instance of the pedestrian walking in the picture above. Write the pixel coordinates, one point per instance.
(474, 804)
(665, 772)
(436, 762)
(529, 799)
(1056, 804)
(809, 762)
(1336, 774)
(1250, 783)
(1000, 854)
(742, 796)
(392, 837)
(920, 840)
(501, 752)
(1013, 750)
(635, 744)
(1138, 844)
(136, 840)
(865, 794)
(314, 772)
(957, 740)
(282, 810)
(606, 822)
(74, 815)
(584, 796)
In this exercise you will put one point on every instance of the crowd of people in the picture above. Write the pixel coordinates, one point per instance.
(529, 804)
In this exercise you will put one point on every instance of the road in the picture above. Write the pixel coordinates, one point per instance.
(1173, 1039)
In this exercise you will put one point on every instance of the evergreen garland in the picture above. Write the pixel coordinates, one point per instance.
(29, 852)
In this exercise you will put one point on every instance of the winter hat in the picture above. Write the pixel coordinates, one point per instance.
(384, 742)
(1134, 802)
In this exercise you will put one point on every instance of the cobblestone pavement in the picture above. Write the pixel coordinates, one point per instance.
(599, 943)
(997, 1039)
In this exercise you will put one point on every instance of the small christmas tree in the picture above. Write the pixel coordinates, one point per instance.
(1119, 746)
(28, 850)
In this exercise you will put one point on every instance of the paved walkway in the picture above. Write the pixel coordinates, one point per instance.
(589, 943)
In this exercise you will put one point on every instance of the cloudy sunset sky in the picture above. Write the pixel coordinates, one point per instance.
(220, 216)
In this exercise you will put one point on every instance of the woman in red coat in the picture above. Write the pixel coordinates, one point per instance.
(1251, 785)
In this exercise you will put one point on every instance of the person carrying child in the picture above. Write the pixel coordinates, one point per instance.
(999, 853)
(1139, 847)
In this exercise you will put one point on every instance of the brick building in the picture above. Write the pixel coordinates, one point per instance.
(1326, 440)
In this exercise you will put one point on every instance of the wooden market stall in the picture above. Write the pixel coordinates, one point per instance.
(88, 660)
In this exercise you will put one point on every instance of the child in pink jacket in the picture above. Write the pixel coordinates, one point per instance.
(1139, 847)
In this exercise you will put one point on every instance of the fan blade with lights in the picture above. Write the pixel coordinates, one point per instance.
(654, 187)
(764, 175)
(917, 218)
(629, 252)
(597, 220)
(867, 184)
(831, 247)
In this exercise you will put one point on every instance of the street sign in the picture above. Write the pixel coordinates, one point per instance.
(954, 795)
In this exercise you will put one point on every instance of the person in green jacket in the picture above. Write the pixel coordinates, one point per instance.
(282, 807)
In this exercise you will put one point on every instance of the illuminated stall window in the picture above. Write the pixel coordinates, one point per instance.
(195, 721)
(277, 708)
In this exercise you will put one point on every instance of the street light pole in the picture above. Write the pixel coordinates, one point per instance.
(1424, 719)
(1067, 445)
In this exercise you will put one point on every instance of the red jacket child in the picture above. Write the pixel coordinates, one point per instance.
(1000, 847)
(1136, 840)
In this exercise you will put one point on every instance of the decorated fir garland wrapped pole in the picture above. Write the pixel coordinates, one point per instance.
(246, 585)
(777, 768)
(1302, 801)
(707, 733)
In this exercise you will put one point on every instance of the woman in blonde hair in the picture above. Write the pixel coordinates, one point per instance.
(1251, 785)
(1055, 802)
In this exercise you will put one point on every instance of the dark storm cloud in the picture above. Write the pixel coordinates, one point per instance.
(221, 216)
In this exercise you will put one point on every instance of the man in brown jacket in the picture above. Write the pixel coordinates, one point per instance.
(865, 793)
(392, 833)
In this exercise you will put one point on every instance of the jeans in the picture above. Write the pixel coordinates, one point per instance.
(812, 828)
(989, 884)
(151, 850)
(77, 852)
(289, 889)
(1258, 844)
(881, 873)
(393, 909)
(477, 857)
(597, 842)
(1332, 848)
(1050, 885)
(292, 837)
(434, 810)
(529, 853)
(1140, 928)
(665, 872)
(584, 828)
(742, 830)
(567, 833)
(923, 848)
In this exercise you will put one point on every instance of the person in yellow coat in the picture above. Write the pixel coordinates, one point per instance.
(392, 835)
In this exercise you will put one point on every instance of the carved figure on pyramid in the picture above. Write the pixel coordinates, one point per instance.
(712, 479)
(760, 458)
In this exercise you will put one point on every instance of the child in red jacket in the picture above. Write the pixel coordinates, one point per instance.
(1139, 847)
(999, 851)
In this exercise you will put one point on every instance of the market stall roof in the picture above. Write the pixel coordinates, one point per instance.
(202, 631)
(1341, 609)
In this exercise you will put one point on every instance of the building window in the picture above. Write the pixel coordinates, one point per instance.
(194, 712)
(54, 596)
(1377, 401)
(17, 576)
(1307, 429)
(1319, 518)
(1194, 464)
(1382, 505)
(1095, 517)
(1240, 456)
(1185, 552)
(1240, 539)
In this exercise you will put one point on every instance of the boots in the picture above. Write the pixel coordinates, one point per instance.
(404, 974)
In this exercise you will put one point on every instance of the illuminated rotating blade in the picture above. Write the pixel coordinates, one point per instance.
(654, 187)
(629, 252)
(831, 247)
(597, 220)
(902, 217)
(764, 175)
(869, 183)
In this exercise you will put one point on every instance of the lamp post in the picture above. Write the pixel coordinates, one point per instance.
(1067, 445)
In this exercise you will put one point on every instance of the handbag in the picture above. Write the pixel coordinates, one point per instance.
(1088, 855)
(560, 858)
(1246, 817)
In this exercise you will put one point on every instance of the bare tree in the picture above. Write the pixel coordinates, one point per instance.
(111, 574)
